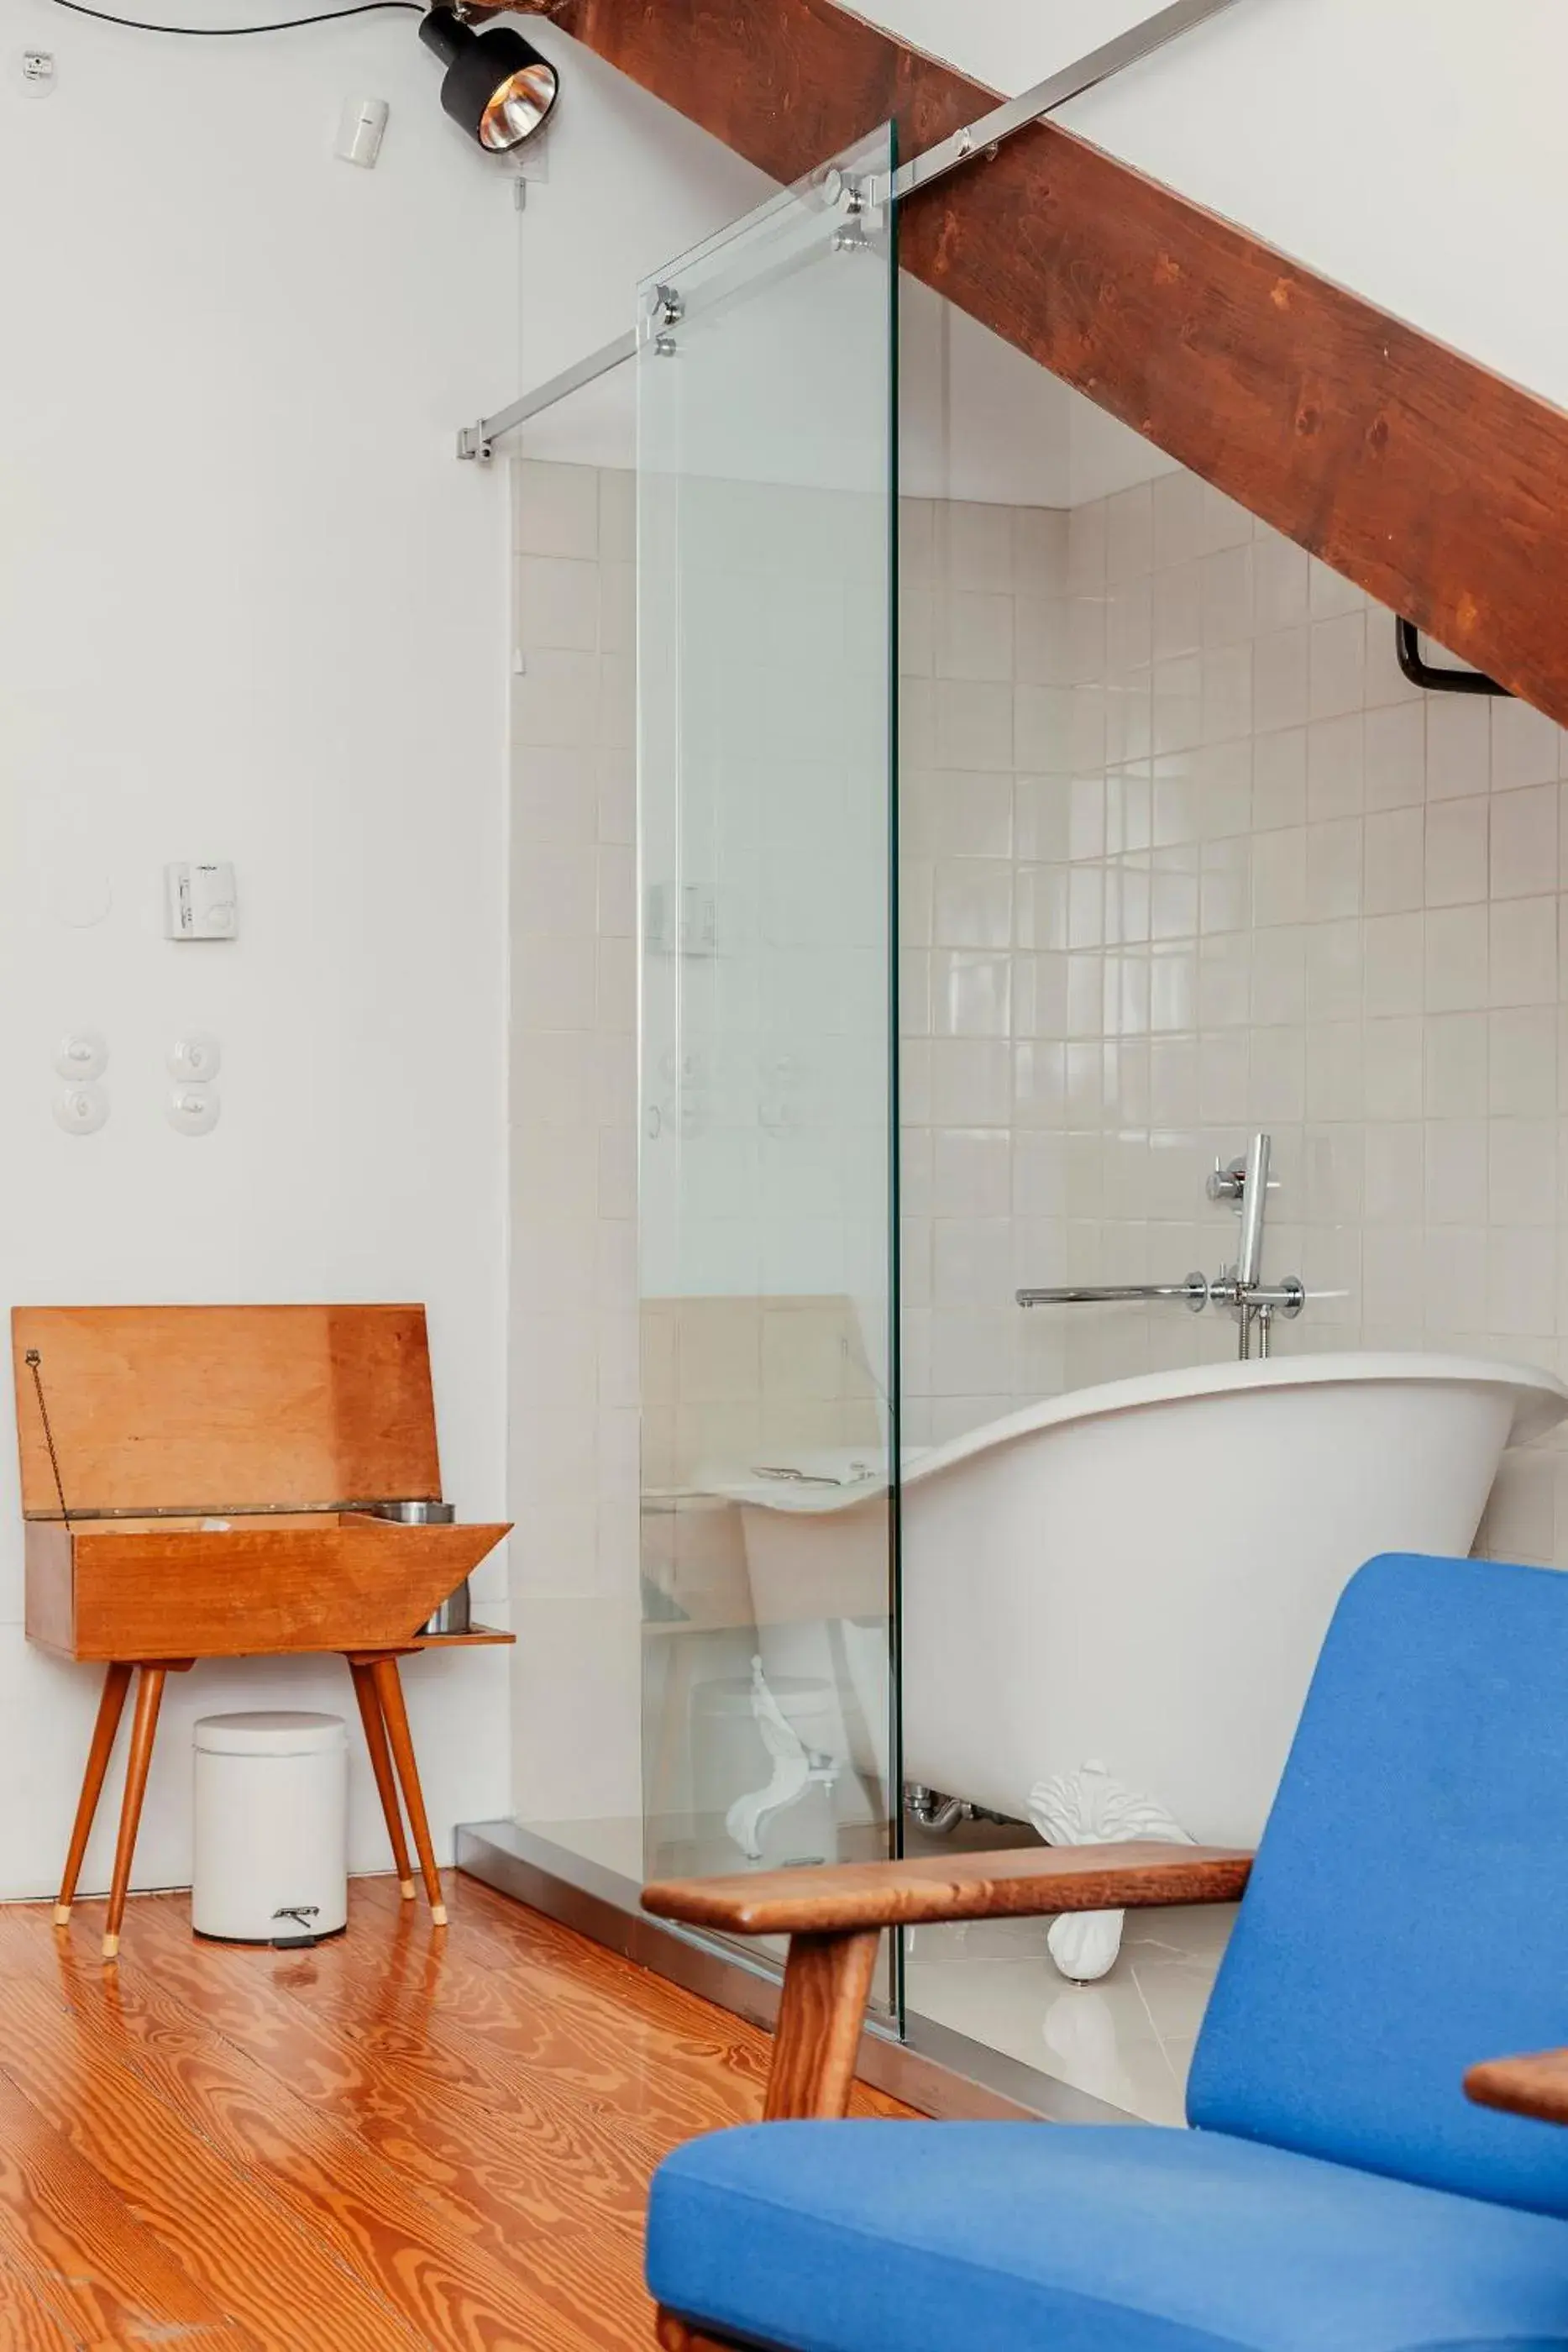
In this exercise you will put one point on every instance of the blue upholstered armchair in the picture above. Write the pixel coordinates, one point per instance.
(1407, 1915)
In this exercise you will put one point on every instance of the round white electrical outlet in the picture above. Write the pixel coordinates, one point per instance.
(197, 1054)
(83, 1054)
(193, 1109)
(82, 1109)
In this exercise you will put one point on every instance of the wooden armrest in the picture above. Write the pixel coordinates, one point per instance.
(849, 1898)
(834, 1917)
(1533, 2085)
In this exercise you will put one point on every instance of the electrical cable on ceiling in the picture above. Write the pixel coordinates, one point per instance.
(233, 32)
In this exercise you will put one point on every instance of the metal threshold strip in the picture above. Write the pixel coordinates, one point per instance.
(950, 154)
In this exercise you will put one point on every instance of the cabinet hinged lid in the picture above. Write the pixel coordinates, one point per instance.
(214, 1411)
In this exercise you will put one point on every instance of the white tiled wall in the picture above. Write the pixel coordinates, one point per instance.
(1184, 856)
(574, 1321)
(985, 647)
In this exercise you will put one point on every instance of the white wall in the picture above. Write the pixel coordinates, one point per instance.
(250, 606)
(1412, 149)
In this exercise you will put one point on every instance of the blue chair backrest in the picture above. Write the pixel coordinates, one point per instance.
(1408, 1911)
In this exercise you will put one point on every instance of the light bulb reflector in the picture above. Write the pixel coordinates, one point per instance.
(518, 107)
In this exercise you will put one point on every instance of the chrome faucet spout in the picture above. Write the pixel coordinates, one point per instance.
(1241, 1289)
(1193, 1293)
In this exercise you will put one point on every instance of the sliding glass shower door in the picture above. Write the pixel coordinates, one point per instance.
(766, 538)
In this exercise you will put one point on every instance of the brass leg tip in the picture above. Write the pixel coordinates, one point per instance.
(62, 1914)
(438, 1914)
(405, 1887)
(111, 1947)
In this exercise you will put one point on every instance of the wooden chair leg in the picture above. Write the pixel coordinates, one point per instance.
(827, 1979)
(381, 1766)
(389, 1690)
(144, 1731)
(111, 1707)
(674, 2335)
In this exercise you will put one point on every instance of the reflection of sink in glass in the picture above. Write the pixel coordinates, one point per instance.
(1139, 1575)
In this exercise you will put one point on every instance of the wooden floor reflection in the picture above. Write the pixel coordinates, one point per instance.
(411, 2137)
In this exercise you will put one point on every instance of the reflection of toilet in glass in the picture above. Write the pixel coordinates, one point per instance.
(1122, 1592)
(818, 1699)
(784, 1729)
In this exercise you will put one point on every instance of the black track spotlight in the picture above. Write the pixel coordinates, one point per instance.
(497, 87)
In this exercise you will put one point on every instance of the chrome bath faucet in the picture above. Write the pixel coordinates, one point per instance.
(1240, 1288)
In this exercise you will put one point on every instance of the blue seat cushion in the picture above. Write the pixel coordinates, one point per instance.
(915, 2237)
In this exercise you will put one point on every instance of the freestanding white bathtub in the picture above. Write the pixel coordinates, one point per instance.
(1135, 1577)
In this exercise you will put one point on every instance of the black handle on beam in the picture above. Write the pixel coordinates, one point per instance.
(1407, 647)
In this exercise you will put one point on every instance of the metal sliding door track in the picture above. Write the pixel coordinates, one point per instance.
(950, 154)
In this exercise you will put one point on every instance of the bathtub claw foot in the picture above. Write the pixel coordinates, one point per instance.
(1088, 1808)
(1084, 1944)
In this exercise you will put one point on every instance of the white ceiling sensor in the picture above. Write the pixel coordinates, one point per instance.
(361, 127)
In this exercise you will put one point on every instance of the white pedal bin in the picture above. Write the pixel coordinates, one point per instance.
(271, 1828)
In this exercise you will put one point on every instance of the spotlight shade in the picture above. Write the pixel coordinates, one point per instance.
(497, 87)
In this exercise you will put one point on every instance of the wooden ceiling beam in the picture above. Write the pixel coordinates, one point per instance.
(1436, 486)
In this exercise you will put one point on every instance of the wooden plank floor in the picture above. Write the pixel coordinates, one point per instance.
(403, 2141)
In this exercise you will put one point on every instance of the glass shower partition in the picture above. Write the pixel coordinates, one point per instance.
(767, 519)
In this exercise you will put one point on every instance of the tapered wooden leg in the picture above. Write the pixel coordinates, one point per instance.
(111, 1707)
(389, 1690)
(381, 1766)
(674, 2335)
(817, 2040)
(143, 1730)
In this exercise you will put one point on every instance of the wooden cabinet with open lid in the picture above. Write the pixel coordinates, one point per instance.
(199, 1482)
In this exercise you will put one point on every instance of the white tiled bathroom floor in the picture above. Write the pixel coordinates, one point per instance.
(1127, 2040)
